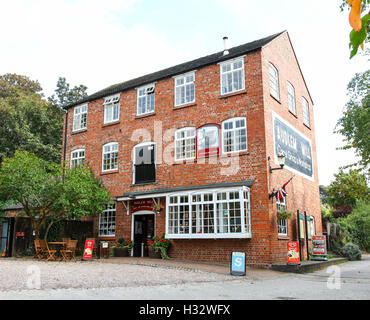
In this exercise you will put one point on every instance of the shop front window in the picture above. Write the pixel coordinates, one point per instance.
(209, 214)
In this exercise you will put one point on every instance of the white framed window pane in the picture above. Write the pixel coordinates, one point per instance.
(146, 100)
(110, 157)
(305, 111)
(185, 144)
(77, 158)
(184, 89)
(79, 118)
(234, 135)
(232, 76)
(209, 213)
(291, 98)
(107, 220)
(282, 223)
(274, 82)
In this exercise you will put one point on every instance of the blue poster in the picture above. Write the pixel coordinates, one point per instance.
(296, 148)
(238, 263)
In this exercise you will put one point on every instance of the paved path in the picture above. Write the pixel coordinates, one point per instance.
(117, 280)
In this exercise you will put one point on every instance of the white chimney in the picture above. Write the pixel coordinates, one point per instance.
(225, 46)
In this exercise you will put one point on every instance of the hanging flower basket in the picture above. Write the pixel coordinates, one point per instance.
(284, 214)
(158, 208)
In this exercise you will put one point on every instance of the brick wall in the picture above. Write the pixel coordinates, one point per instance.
(256, 104)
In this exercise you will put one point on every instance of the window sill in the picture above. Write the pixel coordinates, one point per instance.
(145, 115)
(308, 127)
(143, 184)
(282, 237)
(110, 123)
(221, 156)
(231, 94)
(79, 131)
(109, 172)
(276, 99)
(209, 236)
(107, 238)
(192, 104)
(293, 114)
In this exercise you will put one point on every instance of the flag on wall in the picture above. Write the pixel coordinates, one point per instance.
(281, 193)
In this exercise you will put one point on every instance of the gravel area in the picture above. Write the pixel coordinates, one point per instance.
(17, 275)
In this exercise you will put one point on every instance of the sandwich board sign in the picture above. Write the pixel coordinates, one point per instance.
(293, 253)
(237, 264)
(88, 251)
(319, 248)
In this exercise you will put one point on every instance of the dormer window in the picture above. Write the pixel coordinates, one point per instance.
(111, 109)
(145, 99)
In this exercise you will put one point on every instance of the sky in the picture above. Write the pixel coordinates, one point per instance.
(100, 43)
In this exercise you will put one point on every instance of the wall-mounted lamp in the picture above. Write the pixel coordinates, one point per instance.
(281, 160)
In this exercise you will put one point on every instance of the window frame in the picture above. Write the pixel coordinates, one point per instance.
(108, 210)
(186, 144)
(192, 73)
(234, 120)
(305, 112)
(272, 67)
(104, 153)
(79, 118)
(78, 158)
(143, 144)
(282, 223)
(291, 98)
(245, 216)
(109, 102)
(232, 71)
(146, 99)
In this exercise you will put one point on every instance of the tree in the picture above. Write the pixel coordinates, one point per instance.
(65, 95)
(360, 25)
(346, 190)
(354, 125)
(30, 123)
(45, 191)
(27, 121)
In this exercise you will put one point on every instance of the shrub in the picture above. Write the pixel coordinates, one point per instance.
(357, 226)
(351, 251)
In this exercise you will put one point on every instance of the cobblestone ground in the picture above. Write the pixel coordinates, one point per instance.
(20, 274)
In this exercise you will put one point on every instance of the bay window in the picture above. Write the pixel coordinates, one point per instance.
(214, 213)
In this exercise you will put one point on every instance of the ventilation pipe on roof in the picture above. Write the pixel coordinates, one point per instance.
(225, 46)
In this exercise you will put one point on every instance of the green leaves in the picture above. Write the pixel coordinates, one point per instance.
(358, 38)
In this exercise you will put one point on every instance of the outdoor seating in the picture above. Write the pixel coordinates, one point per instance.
(69, 252)
(49, 254)
(39, 252)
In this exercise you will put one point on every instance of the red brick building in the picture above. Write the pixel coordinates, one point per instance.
(199, 139)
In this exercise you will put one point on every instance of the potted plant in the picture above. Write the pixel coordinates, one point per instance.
(122, 247)
(283, 214)
(158, 247)
(158, 208)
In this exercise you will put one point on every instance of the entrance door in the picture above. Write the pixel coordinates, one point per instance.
(6, 238)
(143, 231)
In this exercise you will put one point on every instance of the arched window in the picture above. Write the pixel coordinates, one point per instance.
(234, 135)
(291, 98)
(274, 82)
(77, 157)
(144, 170)
(305, 112)
(110, 156)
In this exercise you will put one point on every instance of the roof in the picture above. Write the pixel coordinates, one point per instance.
(178, 69)
(133, 195)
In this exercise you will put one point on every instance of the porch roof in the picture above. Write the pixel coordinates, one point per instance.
(162, 192)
